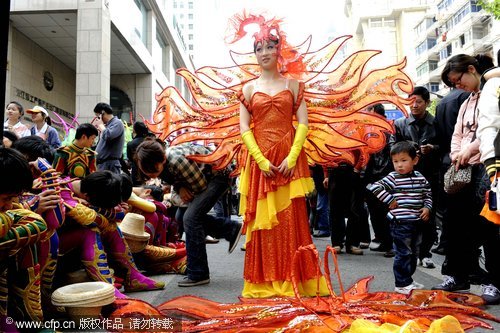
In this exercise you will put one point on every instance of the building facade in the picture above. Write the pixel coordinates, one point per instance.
(68, 55)
(452, 27)
(426, 32)
(388, 26)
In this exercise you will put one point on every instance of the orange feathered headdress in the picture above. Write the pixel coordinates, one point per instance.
(289, 59)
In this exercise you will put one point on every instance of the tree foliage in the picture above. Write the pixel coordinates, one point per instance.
(491, 6)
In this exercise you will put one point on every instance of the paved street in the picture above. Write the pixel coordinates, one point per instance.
(227, 270)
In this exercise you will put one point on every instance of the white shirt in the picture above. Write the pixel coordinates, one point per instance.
(19, 129)
(489, 117)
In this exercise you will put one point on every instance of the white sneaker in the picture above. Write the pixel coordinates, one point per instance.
(405, 290)
(418, 285)
(427, 263)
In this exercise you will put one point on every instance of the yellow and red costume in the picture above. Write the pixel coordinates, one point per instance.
(75, 161)
(275, 211)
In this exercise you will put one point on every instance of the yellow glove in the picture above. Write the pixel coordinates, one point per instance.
(298, 142)
(254, 150)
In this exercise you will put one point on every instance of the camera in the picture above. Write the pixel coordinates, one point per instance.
(492, 200)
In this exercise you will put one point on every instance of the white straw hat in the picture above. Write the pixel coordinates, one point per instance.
(132, 227)
(86, 294)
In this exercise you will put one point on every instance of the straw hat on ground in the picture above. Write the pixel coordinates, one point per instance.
(132, 227)
(86, 294)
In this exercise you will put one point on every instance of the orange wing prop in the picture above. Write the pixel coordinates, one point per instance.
(339, 131)
(429, 310)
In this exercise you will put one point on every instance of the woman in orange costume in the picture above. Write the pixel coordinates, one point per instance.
(249, 112)
(275, 179)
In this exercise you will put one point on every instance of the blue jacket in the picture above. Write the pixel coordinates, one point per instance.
(52, 136)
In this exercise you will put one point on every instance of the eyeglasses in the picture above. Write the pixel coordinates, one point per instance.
(458, 80)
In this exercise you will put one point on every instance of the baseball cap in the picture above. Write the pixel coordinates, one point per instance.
(38, 109)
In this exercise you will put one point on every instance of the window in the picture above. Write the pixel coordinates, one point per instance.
(419, 28)
(468, 36)
(446, 52)
(422, 69)
(190, 37)
(426, 67)
(190, 16)
(425, 45)
(443, 5)
(190, 47)
(477, 33)
(160, 54)
(430, 43)
(375, 23)
(449, 49)
(190, 26)
(389, 23)
(175, 4)
(178, 78)
(434, 86)
(140, 22)
(190, 5)
(474, 7)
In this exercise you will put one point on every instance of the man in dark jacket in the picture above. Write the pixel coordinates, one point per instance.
(444, 123)
(140, 133)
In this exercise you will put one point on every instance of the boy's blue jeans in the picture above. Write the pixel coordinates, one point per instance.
(406, 243)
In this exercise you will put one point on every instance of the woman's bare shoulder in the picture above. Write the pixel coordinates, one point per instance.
(294, 84)
(248, 89)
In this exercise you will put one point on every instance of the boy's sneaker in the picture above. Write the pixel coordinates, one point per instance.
(491, 294)
(405, 290)
(450, 284)
(427, 263)
(418, 285)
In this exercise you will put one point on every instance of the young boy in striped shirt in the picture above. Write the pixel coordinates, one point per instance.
(408, 195)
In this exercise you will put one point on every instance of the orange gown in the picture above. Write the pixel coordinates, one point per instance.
(274, 208)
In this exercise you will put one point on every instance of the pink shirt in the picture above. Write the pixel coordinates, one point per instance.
(464, 135)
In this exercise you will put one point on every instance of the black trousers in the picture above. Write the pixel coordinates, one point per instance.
(346, 201)
(467, 231)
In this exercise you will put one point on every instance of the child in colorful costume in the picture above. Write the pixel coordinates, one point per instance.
(20, 231)
(77, 159)
(91, 229)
